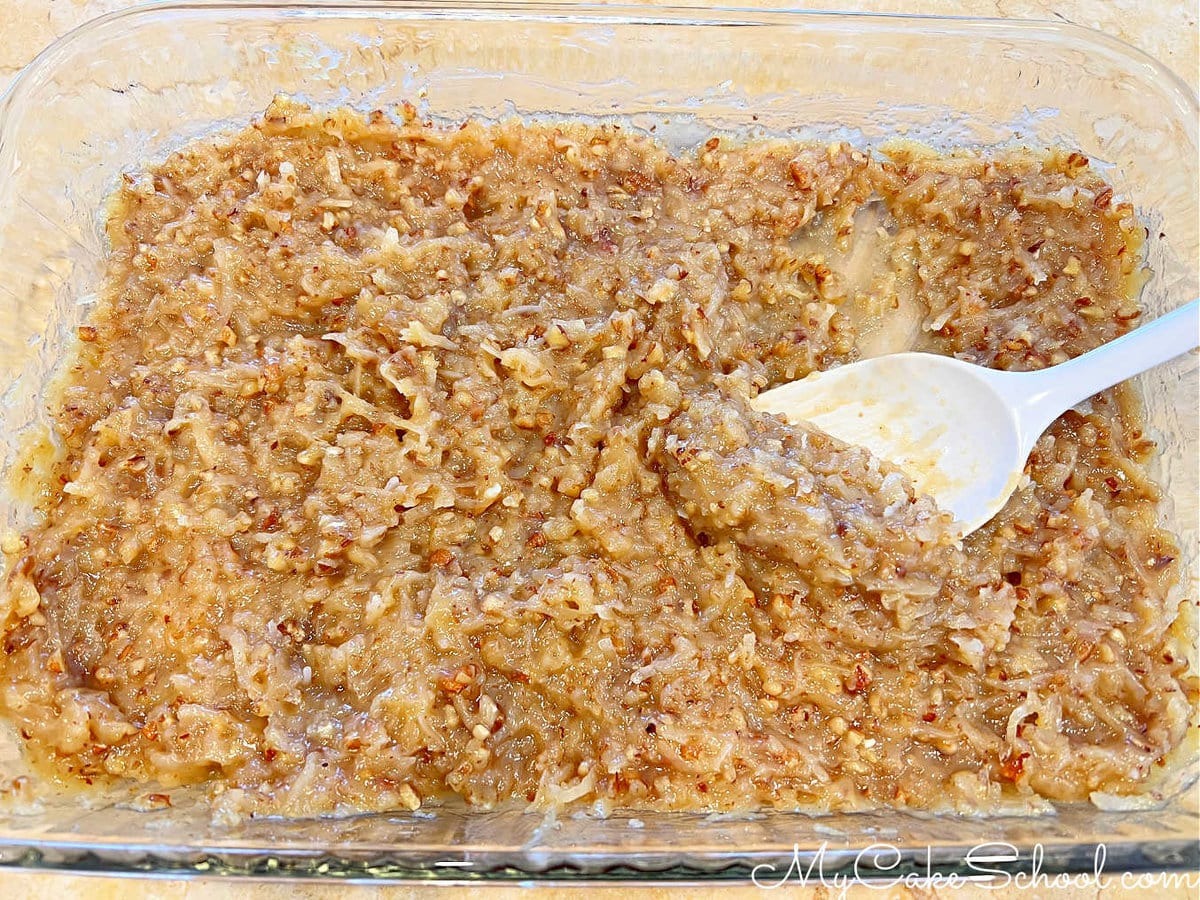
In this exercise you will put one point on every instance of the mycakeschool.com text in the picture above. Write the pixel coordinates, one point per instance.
(991, 865)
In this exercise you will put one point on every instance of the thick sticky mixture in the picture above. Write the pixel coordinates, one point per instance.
(400, 462)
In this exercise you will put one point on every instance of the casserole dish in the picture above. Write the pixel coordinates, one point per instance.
(133, 86)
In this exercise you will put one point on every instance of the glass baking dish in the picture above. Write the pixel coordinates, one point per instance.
(132, 86)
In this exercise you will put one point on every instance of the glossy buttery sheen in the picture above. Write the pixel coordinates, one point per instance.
(400, 462)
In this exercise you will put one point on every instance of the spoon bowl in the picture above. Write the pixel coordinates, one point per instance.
(963, 432)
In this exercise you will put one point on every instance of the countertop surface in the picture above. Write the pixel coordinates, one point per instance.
(1166, 30)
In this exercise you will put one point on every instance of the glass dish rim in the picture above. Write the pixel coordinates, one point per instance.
(679, 12)
(207, 858)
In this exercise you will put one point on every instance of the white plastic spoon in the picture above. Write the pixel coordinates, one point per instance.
(962, 432)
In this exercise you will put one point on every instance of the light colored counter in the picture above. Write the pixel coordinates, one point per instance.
(1166, 30)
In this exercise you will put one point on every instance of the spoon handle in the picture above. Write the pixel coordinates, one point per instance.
(1046, 394)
